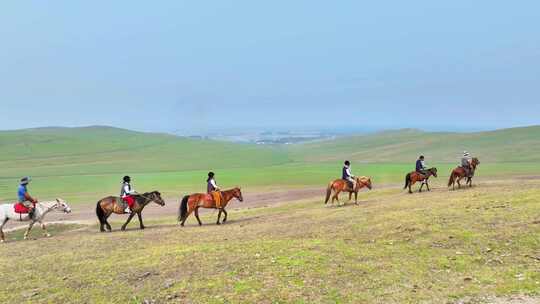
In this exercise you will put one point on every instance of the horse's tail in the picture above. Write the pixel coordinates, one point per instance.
(100, 214)
(328, 193)
(451, 179)
(407, 180)
(182, 211)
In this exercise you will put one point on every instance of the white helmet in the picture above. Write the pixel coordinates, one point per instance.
(465, 153)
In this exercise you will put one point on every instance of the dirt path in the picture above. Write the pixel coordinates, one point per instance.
(85, 213)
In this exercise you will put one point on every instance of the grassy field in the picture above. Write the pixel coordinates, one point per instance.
(438, 247)
(85, 164)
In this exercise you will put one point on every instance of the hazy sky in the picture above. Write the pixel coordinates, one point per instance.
(195, 65)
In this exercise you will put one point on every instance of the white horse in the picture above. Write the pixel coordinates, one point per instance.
(7, 212)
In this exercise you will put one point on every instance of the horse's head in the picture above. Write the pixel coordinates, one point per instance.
(433, 171)
(61, 205)
(475, 162)
(155, 196)
(364, 180)
(237, 193)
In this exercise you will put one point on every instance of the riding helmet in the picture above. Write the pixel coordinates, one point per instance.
(421, 156)
(127, 179)
(347, 163)
(211, 174)
(25, 180)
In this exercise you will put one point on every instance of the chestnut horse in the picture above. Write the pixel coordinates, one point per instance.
(459, 173)
(340, 185)
(192, 203)
(113, 204)
(414, 177)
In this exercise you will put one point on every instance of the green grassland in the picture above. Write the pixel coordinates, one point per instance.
(85, 164)
(440, 247)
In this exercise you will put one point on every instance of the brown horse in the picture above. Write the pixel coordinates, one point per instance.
(112, 204)
(459, 173)
(192, 203)
(340, 185)
(414, 177)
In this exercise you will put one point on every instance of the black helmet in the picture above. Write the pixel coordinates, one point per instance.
(421, 156)
(347, 163)
(127, 179)
(25, 180)
(211, 174)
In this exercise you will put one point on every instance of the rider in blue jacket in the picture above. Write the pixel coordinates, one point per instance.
(24, 197)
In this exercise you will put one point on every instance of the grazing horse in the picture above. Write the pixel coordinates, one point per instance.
(340, 185)
(459, 173)
(414, 177)
(7, 212)
(192, 203)
(113, 204)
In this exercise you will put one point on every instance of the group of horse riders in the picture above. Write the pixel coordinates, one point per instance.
(420, 167)
(466, 164)
(126, 193)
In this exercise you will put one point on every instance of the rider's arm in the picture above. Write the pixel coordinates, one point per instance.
(128, 190)
(213, 183)
(29, 198)
(348, 170)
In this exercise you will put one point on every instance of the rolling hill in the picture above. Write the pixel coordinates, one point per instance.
(84, 164)
(506, 145)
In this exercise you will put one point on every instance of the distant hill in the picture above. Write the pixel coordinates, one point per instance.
(93, 150)
(507, 145)
(102, 150)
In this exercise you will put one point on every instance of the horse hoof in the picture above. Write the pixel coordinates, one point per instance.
(143, 227)
(47, 235)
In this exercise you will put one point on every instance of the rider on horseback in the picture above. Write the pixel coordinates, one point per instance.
(213, 189)
(126, 193)
(466, 163)
(421, 166)
(25, 198)
(347, 175)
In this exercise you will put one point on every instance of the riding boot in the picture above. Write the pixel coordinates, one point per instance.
(31, 213)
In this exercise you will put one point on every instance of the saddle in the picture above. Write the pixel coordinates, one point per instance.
(20, 208)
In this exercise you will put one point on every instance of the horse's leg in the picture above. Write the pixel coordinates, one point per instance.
(2, 237)
(105, 222)
(28, 230)
(139, 214)
(131, 215)
(44, 228)
(458, 182)
(190, 209)
(218, 216)
(350, 196)
(337, 197)
(356, 198)
(421, 186)
(427, 185)
(197, 216)
(224, 219)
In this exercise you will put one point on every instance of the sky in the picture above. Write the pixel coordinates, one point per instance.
(198, 66)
